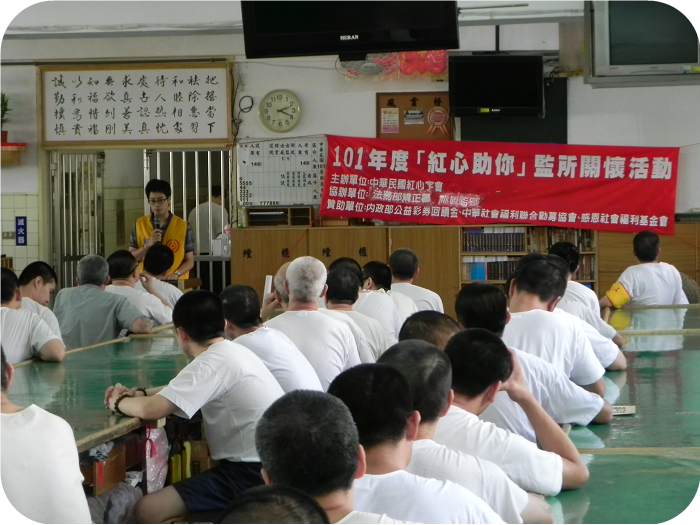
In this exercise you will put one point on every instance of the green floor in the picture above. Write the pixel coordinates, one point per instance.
(644, 468)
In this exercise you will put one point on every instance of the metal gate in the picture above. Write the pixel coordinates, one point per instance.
(192, 174)
(77, 180)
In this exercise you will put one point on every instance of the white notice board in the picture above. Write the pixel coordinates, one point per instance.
(283, 172)
(154, 103)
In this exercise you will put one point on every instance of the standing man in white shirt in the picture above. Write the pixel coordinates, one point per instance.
(327, 343)
(40, 470)
(24, 334)
(342, 294)
(380, 401)
(482, 366)
(404, 270)
(156, 264)
(37, 282)
(535, 328)
(308, 440)
(199, 220)
(429, 375)
(281, 356)
(231, 386)
(651, 282)
(376, 276)
(124, 272)
(483, 305)
(580, 300)
(378, 306)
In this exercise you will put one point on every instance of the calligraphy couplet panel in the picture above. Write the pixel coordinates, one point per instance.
(155, 103)
(614, 188)
(285, 172)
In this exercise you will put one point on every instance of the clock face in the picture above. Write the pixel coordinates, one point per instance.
(279, 111)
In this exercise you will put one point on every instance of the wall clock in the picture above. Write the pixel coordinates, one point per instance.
(279, 111)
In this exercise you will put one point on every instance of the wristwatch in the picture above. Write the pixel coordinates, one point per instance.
(177, 273)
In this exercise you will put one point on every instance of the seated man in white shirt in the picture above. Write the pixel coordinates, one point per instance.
(281, 356)
(274, 504)
(378, 306)
(24, 334)
(535, 328)
(39, 470)
(483, 305)
(404, 270)
(434, 327)
(308, 440)
(579, 299)
(429, 375)
(230, 385)
(607, 352)
(651, 282)
(482, 366)
(376, 276)
(124, 272)
(380, 401)
(342, 294)
(37, 282)
(157, 263)
(327, 343)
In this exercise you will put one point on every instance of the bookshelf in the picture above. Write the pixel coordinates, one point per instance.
(490, 253)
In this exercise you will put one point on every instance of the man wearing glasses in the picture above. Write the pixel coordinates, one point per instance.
(162, 227)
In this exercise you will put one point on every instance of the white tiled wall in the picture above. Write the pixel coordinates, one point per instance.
(134, 201)
(20, 205)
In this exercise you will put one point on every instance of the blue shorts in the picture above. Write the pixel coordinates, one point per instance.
(216, 488)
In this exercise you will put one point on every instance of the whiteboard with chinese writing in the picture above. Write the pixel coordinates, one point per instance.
(182, 103)
(285, 172)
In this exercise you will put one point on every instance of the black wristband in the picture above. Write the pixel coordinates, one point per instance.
(116, 404)
(142, 390)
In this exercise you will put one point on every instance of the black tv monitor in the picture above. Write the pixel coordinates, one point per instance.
(349, 29)
(496, 85)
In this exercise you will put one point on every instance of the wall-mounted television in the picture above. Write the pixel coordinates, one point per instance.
(349, 29)
(641, 38)
(496, 85)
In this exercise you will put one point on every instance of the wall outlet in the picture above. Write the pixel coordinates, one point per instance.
(8, 235)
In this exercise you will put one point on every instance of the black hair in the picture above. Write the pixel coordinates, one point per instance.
(428, 325)
(10, 283)
(158, 186)
(403, 263)
(379, 399)
(349, 264)
(158, 259)
(567, 251)
(274, 504)
(216, 190)
(200, 314)
(482, 305)
(241, 305)
(646, 246)
(562, 266)
(379, 272)
(122, 264)
(479, 359)
(428, 371)
(343, 286)
(308, 440)
(37, 269)
(3, 370)
(541, 278)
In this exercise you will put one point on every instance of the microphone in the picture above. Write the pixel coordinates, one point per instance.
(156, 225)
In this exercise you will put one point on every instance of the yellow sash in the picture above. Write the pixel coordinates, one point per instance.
(174, 238)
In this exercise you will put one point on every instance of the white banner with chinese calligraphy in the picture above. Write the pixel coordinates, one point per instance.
(615, 188)
(130, 103)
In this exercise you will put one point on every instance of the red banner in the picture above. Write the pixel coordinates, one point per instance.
(615, 188)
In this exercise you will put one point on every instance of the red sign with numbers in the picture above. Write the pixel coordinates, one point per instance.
(617, 188)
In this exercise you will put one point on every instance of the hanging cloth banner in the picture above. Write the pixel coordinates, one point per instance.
(615, 188)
